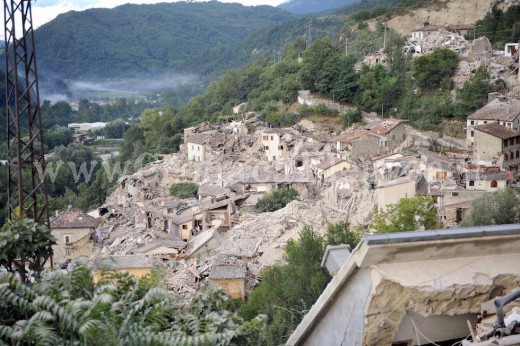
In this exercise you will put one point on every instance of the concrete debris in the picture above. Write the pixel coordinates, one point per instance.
(499, 322)
(499, 66)
(473, 54)
(444, 39)
(259, 235)
(220, 227)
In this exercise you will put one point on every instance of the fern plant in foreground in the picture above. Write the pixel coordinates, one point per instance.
(70, 309)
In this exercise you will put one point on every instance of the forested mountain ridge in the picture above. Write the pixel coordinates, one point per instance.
(200, 38)
(132, 40)
(314, 6)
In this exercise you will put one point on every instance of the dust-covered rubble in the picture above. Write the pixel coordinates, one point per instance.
(141, 211)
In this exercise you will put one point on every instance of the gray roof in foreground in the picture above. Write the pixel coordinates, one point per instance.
(442, 234)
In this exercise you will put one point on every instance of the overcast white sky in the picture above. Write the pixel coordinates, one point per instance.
(46, 10)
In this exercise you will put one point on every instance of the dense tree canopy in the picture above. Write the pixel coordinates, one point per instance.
(435, 70)
(474, 93)
(409, 214)
(499, 208)
(184, 190)
(137, 40)
(25, 247)
(500, 26)
(378, 89)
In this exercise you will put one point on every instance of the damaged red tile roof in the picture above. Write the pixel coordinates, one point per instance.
(498, 110)
(349, 137)
(74, 219)
(498, 131)
(386, 126)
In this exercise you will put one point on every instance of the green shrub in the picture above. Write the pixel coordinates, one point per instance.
(275, 200)
(435, 70)
(352, 116)
(499, 208)
(340, 233)
(184, 190)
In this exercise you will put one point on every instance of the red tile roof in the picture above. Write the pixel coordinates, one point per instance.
(330, 163)
(350, 137)
(385, 127)
(498, 131)
(431, 28)
(498, 110)
(74, 218)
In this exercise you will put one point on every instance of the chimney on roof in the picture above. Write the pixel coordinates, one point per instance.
(334, 258)
(492, 96)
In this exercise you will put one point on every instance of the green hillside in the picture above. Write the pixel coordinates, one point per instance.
(201, 38)
(264, 42)
(137, 40)
(314, 6)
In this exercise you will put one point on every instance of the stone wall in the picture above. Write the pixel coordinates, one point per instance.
(80, 244)
(235, 288)
(449, 218)
(306, 98)
(368, 146)
(489, 150)
(397, 136)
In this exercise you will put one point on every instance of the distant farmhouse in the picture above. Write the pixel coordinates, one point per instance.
(427, 29)
(84, 127)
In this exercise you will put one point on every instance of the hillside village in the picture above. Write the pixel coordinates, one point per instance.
(217, 236)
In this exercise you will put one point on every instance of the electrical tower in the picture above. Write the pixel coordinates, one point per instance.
(26, 188)
(309, 35)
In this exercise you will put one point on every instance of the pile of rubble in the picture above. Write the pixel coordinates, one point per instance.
(444, 39)
(498, 323)
(261, 238)
(473, 54)
(187, 276)
(245, 154)
(253, 244)
(480, 52)
(351, 195)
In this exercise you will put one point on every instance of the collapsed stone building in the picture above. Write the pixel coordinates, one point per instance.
(73, 231)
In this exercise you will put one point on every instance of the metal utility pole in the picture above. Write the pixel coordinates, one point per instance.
(309, 37)
(26, 189)
(384, 39)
